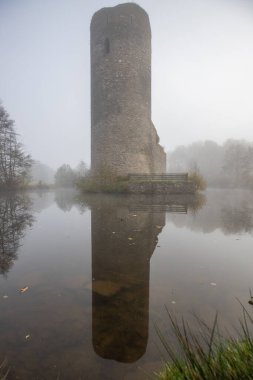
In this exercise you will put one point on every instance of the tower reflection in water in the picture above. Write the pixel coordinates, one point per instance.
(123, 241)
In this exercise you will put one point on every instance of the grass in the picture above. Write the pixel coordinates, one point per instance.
(4, 370)
(92, 185)
(206, 354)
(105, 180)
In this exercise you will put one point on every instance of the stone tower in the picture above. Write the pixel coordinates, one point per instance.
(123, 137)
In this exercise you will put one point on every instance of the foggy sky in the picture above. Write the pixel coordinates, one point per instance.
(202, 72)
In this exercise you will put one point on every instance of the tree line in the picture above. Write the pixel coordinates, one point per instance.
(65, 176)
(226, 165)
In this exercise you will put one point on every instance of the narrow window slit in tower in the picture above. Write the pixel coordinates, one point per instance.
(107, 46)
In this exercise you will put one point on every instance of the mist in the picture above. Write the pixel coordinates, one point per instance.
(202, 78)
(226, 165)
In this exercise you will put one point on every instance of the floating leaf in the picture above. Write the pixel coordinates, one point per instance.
(213, 283)
(22, 290)
(5, 296)
(27, 336)
(130, 238)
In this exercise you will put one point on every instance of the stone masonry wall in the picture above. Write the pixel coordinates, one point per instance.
(123, 137)
(163, 187)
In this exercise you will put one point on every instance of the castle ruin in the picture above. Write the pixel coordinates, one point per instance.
(123, 137)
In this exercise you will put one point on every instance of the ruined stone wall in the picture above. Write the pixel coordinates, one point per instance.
(161, 187)
(123, 137)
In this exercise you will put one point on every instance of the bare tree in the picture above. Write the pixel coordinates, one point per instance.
(238, 162)
(14, 163)
(81, 170)
(65, 176)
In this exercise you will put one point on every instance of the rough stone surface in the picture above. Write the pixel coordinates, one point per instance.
(161, 187)
(123, 137)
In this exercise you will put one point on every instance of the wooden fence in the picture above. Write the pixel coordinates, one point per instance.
(173, 209)
(159, 177)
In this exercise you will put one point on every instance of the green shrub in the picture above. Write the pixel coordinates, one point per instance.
(103, 180)
(198, 180)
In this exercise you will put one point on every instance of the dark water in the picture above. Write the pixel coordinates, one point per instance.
(100, 269)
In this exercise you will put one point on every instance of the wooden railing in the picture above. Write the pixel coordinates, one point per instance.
(174, 209)
(159, 177)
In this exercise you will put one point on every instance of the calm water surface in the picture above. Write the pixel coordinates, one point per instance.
(99, 270)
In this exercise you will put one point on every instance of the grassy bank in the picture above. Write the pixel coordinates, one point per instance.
(93, 184)
(206, 354)
(107, 181)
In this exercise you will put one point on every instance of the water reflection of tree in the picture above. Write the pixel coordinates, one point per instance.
(15, 217)
(237, 219)
(195, 202)
(67, 198)
(231, 211)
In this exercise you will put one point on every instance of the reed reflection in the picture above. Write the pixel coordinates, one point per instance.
(68, 198)
(15, 217)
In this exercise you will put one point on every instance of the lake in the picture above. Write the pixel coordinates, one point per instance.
(97, 271)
